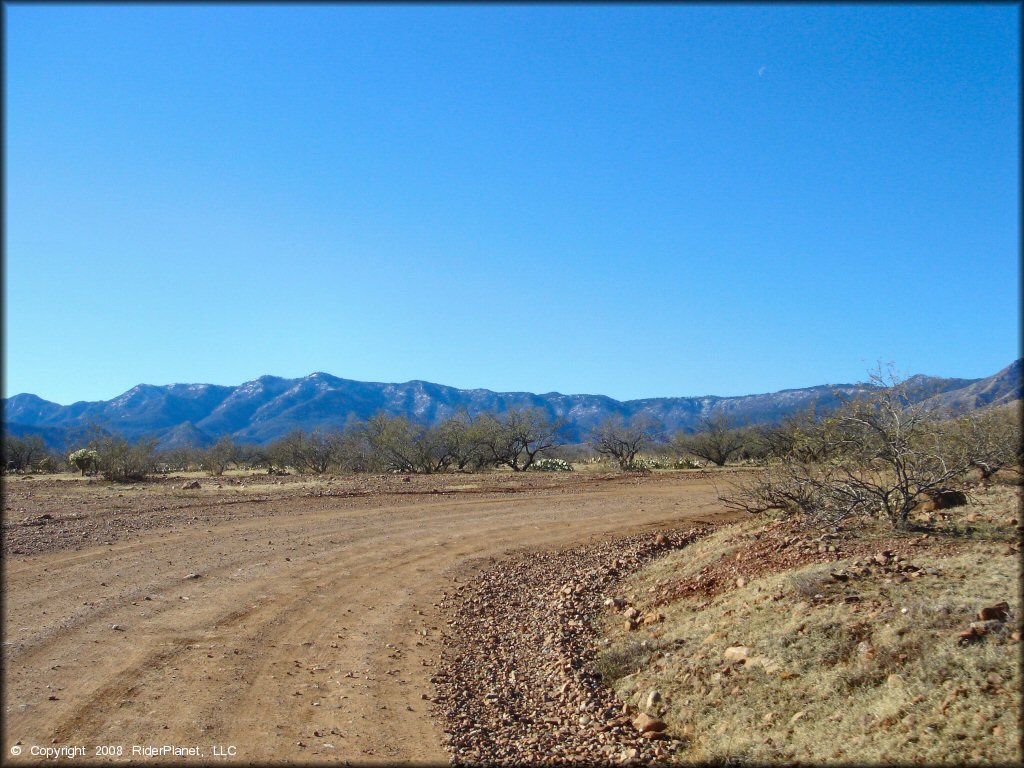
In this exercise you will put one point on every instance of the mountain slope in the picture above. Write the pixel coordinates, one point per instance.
(269, 407)
(998, 389)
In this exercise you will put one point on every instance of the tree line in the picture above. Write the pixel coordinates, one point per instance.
(517, 439)
(793, 452)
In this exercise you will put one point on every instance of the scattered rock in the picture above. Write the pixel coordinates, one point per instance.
(552, 705)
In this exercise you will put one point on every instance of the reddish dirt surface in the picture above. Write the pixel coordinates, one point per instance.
(275, 620)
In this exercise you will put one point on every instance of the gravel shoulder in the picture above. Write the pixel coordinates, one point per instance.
(298, 622)
(533, 695)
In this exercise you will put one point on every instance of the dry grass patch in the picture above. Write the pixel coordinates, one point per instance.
(865, 669)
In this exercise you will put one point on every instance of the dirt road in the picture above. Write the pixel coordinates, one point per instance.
(269, 623)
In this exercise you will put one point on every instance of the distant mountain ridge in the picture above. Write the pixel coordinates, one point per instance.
(269, 407)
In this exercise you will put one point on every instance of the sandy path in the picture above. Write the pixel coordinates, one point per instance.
(309, 635)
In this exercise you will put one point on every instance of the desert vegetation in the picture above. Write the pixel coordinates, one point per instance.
(879, 455)
(881, 452)
(866, 611)
(617, 440)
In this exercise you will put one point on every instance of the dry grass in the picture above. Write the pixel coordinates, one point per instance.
(879, 680)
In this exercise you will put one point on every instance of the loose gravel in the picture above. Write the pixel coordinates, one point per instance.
(516, 682)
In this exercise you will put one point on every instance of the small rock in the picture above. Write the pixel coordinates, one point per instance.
(191, 486)
(192, 576)
(736, 653)
(117, 627)
(645, 723)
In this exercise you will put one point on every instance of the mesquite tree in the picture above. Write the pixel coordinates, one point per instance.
(621, 441)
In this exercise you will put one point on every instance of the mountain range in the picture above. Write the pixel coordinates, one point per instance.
(267, 408)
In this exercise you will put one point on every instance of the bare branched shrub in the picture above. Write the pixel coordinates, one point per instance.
(880, 454)
(991, 439)
(792, 487)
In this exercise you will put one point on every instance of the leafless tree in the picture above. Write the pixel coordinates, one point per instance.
(516, 439)
(313, 453)
(219, 456)
(717, 439)
(406, 447)
(621, 441)
(462, 439)
(23, 453)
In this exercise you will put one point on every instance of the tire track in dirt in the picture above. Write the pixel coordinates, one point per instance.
(278, 640)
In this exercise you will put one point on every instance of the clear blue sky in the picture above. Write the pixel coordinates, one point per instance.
(631, 201)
